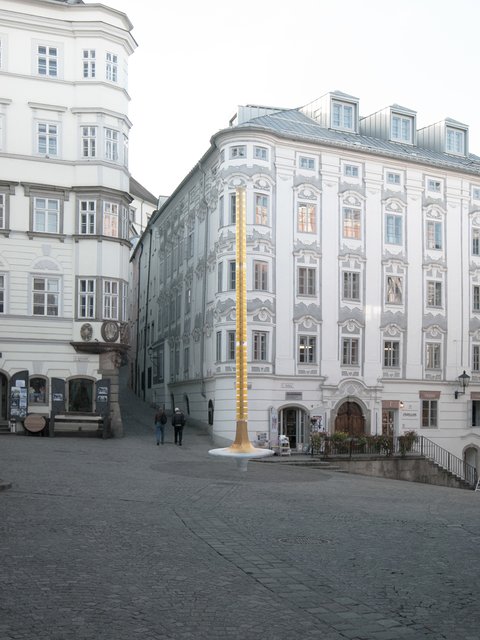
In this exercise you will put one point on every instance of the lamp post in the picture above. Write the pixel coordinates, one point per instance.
(241, 449)
(463, 380)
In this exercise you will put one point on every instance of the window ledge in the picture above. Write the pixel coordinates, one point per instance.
(40, 234)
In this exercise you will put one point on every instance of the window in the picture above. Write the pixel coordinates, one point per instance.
(110, 219)
(260, 279)
(89, 65)
(110, 300)
(435, 186)
(46, 292)
(46, 215)
(259, 345)
(351, 285)
(351, 171)
(307, 349)
(47, 139)
(476, 298)
(233, 208)
(455, 141)
(89, 142)
(402, 128)
(2, 292)
(111, 67)
(307, 218)
(393, 178)
(80, 395)
(351, 223)
(238, 152)
(86, 298)
(476, 241)
(2, 211)
(125, 150)
(188, 299)
(220, 277)
(429, 413)
(476, 358)
(391, 353)
(306, 163)
(434, 293)
(342, 116)
(476, 193)
(88, 217)
(393, 228)
(394, 292)
(475, 413)
(47, 61)
(37, 390)
(261, 209)
(434, 235)
(232, 275)
(186, 361)
(306, 281)
(350, 351)
(218, 347)
(111, 145)
(260, 153)
(433, 355)
(231, 345)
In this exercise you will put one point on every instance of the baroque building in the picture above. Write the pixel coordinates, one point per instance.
(363, 242)
(65, 204)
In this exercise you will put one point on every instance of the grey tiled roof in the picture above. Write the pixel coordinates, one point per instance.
(294, 124)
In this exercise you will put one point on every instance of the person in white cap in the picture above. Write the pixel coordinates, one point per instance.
(178, 422)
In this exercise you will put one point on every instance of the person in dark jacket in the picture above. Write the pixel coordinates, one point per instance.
(160, 421)
(178, 422)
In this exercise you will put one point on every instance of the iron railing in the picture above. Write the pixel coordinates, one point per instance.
(388, 446)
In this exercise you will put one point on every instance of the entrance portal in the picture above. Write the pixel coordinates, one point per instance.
(292, 425)
(3, 398)
(350, 419)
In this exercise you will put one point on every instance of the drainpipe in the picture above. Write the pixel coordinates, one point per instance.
(146, 318)
(204, 287)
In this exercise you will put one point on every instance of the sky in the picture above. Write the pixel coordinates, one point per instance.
(197, 61)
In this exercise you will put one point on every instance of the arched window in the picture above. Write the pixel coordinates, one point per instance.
(80, 395)
(210, 412)
(37, 390)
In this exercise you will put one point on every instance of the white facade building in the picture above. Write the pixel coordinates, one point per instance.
(363, 240)
(64, 202)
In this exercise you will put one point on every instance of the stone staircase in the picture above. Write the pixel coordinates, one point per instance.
(4, 427)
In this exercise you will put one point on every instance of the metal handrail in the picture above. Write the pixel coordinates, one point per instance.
(446, 460)
(390, 446)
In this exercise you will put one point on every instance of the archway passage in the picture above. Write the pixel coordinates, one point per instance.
(350, 419)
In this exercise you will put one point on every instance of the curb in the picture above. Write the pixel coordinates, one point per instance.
(5, 485)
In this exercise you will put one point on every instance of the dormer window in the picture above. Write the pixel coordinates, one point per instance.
(343, 116)
(401, 128)
(455, 141)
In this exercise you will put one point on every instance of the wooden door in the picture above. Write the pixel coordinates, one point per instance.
(350, 419)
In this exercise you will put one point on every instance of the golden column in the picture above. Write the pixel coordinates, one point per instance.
(241, 449)
(242, 443)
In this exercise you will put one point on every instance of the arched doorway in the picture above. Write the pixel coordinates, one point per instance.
(292, 425)
(350, 419)
(470, 456)
(3, 398)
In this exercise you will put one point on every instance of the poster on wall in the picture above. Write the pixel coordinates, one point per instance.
(273, 427)
(19, 396)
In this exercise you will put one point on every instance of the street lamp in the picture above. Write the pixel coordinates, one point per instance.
(463, 381)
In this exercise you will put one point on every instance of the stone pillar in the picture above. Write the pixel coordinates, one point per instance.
(109, 368)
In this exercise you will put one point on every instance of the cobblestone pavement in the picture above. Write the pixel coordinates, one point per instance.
(122, 539)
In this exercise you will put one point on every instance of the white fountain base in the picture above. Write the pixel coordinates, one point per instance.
(241, 458)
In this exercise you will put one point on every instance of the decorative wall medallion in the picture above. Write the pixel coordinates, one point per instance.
(86, 332)
(110, 331)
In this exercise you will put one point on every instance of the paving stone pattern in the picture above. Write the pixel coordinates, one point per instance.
(122, 539)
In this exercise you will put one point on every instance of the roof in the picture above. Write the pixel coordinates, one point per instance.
(140, 192)
(292, 123)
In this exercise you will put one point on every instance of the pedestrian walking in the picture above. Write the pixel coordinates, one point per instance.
(160, 422)
(178, 422)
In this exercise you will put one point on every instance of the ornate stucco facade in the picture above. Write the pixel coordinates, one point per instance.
(64, 201)
(363, 241)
